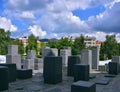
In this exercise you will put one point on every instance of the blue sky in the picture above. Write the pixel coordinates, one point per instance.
(59, 18)
(85, 14)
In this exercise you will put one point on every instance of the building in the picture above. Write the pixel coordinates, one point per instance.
(25, 43)
(99, 43)
(90, 41)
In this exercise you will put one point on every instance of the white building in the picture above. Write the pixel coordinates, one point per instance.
(90, 41)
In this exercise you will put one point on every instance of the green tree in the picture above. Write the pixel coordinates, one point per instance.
(102, 52)
(78, 45)
(119, 48)
(32, 43)
(109, 48)
(61, 43)
(4, 41)
(20, 45)
(64, 42)
(53, 43)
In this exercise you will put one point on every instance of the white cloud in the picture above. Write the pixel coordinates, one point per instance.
(37, 31)
(107, 21)
(64, 22)
(111, 4)
(76, 4)
(84, 4)
(7, 24)
(56, 18)
(99, 35)
(118, 37)
(28, 5)
(27, 15)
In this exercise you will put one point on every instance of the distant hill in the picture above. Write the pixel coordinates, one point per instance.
(46, 40)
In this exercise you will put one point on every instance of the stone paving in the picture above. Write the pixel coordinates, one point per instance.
(36, 84)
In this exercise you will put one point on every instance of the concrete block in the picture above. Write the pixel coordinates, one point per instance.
(72, 60)
(11, 71)
(15, 59)
(31, 54)
(83, 86)
(116, 59)
(65, 53)
(81, 72)
(103, 81)
(113, 68)
(24, 73)
(52, 69)
(38, 64)
(12, 49)
(4, 78)
(95, 57)
(86, 57)
(47, 51)
(28, 64)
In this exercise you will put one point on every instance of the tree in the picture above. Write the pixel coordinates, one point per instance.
(61, 43)
(20, 46)
(78, 45)
(102, 52)
(64, 42)
(4, 41)
(109, 48)
(53, 43)
(32, 43)
(119, 48)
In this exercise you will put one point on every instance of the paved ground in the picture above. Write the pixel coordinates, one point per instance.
(36, 84)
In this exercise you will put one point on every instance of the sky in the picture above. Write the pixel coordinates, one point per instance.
(60, 18)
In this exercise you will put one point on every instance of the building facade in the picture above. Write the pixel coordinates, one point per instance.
(90, 41)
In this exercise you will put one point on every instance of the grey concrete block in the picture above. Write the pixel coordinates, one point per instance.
(116, 59)
(81, 72)
(56, 90)
(65, 53)
(47, 51)
(86, 57)
(113, 68)
(28, 64)
(54, 51)
(95, 57)
(102, 68)
(24, 73)
(72, 60)
(38, 64)
(4, 78)
(12, 49)
(103, 81)
(92, 76)
(83, 86)
(69, 50)
(52, 69)
(110, 75)
(15, 59)
(11, 71)
(31, 54)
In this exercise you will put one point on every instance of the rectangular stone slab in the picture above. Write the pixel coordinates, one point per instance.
(52, 70)
(81, 72)
(83, 86)
(24, 73)
(92, 76)
(12, 71)
(103, 81)
(110, 75)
